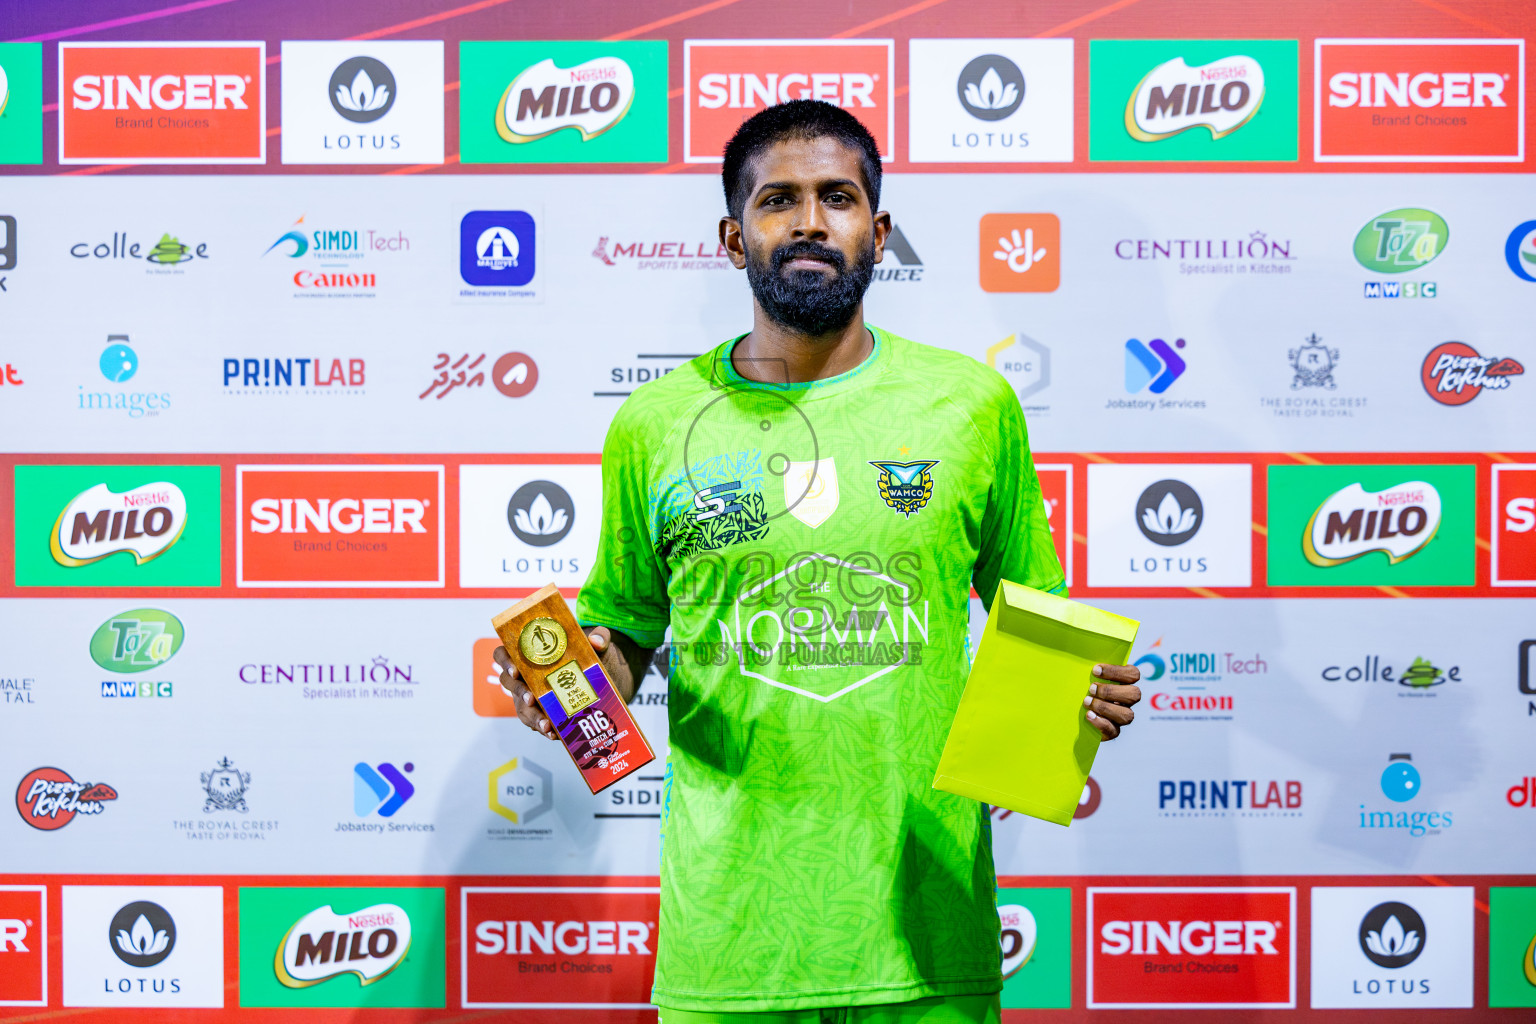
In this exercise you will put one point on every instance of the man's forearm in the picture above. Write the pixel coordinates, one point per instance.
(626, 679)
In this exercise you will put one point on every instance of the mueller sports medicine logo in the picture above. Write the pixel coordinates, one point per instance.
(98, 522)
(1221, 97)
(323, 944)
(1419, 100)
(727, 81)
(49, 798)
(339, 526)
(1191, 948)
(590, 98)
(1453, 373)
(162, 103)
(1351, 522)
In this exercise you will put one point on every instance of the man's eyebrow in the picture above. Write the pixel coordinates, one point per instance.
(790, 186)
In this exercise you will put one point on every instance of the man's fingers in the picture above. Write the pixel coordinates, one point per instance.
(1109, 730)
(1117, 673)
(500, 656)
(599, 638)
(1123, 695)
(1114, 712)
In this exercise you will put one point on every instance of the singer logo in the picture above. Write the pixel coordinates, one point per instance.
(1403, 100)
(339, 526)
(1514, 525)
(566, 948)
(1197, 948)
(727, 81)
(23, 945)
(162, 103)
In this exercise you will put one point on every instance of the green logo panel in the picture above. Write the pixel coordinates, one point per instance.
(21, 103)
(362, 947)
(1044, 978)
(1511, 946)
(1192, 99)
(563, 103)
(1364, 504)
(187, 556)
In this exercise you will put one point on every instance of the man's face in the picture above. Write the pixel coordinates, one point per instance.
(808, 237)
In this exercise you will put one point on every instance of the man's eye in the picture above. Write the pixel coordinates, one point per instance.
(839, 198)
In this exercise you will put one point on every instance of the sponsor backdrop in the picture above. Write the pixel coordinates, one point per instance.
(314, 322)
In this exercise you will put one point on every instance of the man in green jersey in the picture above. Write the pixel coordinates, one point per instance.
(807, 508)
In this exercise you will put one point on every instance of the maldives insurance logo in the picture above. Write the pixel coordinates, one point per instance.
(566, 102)
(162, 103)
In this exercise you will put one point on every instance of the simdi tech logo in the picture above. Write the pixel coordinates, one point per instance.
(162, 103)
(23, 945)
(117, 526)
(1371, 525)
(1418, 100)
(563, 102)
(348, 947)
(21, 103)
(726, 81)
(1192, 99)
(373, 102)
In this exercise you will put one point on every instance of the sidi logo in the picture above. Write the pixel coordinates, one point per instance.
(339, 526)
(162, 103)
(1514, 525)
(23, 945)
(323, 944)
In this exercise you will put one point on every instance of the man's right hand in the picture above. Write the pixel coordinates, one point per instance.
(528, 709)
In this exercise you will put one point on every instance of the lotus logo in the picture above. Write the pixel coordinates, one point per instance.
(1221, 97)
(1392, 935)
(1154, 365)
(98, 522)
(1351, 522)
(323, 944)
(142, 934)
(1401, 240)
(541, 513)
(990, 87)
(362, 89)
(1169, 512)
(543, 99)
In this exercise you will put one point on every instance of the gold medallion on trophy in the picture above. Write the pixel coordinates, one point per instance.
(542, 641)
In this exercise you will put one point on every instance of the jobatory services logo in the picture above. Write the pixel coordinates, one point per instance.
(23, 945)
(591, 947)
(1454, 373)
(526, 525)
(1170, 525)
(1035, 939)
(49, 798)
(115, 526)
(363, 102)
(1418, 100)
(21, 103)
(1511, 946)
(498, 255)
(339, 526)
(1020, 252)
(1364, 525)
(1152, 365)
(727, 81)
(1519, 251)
(563, 102)
(1192, 99)
(1191, 948)
(1514, 525)
(382, 789)
(162, 103)
(990, 101)
(143, 946)
(342, 947)
(1391, 947)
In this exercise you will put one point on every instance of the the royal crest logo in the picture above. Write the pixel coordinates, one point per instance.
(1454, 374)
(1313, 363)
(1398, 521)
(49, 798)
(905, 486)
(591, 97)
(98, 522)
(1221, 97)
(324, 944)
(225, 788)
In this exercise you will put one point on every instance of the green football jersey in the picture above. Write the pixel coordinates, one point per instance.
(812, 548)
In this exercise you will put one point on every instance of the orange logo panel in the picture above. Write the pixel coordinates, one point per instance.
(1020, 252)
(490, 700)
(161, 103)
(339, 526)
(728, 82)
(1437, 100)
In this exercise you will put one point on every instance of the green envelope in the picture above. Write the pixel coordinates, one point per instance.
(1019, 739)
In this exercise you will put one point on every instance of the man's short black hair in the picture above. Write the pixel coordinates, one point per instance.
(797, 119)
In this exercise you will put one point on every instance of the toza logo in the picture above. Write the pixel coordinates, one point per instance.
(137, 641)
(98, 522)
(543, 99)
(1351, 522)
(1221, 97)
(1401, 240)
(362, 89)
(1454, 374)
(323, 945)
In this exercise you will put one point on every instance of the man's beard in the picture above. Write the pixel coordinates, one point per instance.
(811, 302)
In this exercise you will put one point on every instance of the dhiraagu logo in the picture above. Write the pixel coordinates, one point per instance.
(1035, 927)
(137, 641)
(1401, 240)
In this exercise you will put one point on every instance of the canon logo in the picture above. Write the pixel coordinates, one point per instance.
(1426, 89)
(339, 515)
(13, 935)
(1189, 938)
(167, 92)
(749, 91)
(599, 938)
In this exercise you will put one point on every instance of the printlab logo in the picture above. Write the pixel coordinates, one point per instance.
(268, 376)
(362, 89)
(1153, 365)
(497, 251)
(1169, 513)
(142, 934)
(1519, 251)
(48, 798)
(1392, 935)
(380, 790)
(225, 787)
(1020, 252)
(970, 101)
(1454, 374)
(1229, 798)
(541, 513)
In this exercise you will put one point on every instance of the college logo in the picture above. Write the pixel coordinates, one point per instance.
(1454, 374)
(225, 788)
(905, 486)
(98, 522)
(1020, 252)
(1421, 675)
(1391, 947)
(339, 526)
(380, 790)
(522, 791)
(362, 102)
(162, 103)
(990, 100)
(21, 103)
(1191, 948)
(1409, 100)
(1519, 251)
(521, 525)
(1401, 240)
(164, 257)
(23, 943)
(590, 947)
(497, 249)
(137, 641)
(727, 81)
(48, 798)
(563, 102)
(1514, 525)
(1192, 99)
(1152, 365)
(143, 934)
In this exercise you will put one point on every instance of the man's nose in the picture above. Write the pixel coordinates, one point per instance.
(811, 223)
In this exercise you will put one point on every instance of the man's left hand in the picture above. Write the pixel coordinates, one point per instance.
(1109, 700)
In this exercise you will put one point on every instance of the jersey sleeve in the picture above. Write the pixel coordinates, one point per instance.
(1016, 540)
(627, 587)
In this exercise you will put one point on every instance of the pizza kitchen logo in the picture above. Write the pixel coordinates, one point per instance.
(50, 798)
(1398, 521)
(145, 521)
(1454, 373)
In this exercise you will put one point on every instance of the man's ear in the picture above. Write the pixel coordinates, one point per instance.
(882, 232)
(735, 245)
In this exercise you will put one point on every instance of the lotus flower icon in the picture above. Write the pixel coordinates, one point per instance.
(144, 939)
(362, 89)
(1168, 517)
(1169, 512)
(541, 513)
(990, 87)
(362, 96)
(990, 93)
(540, 518)
(1392, 940)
